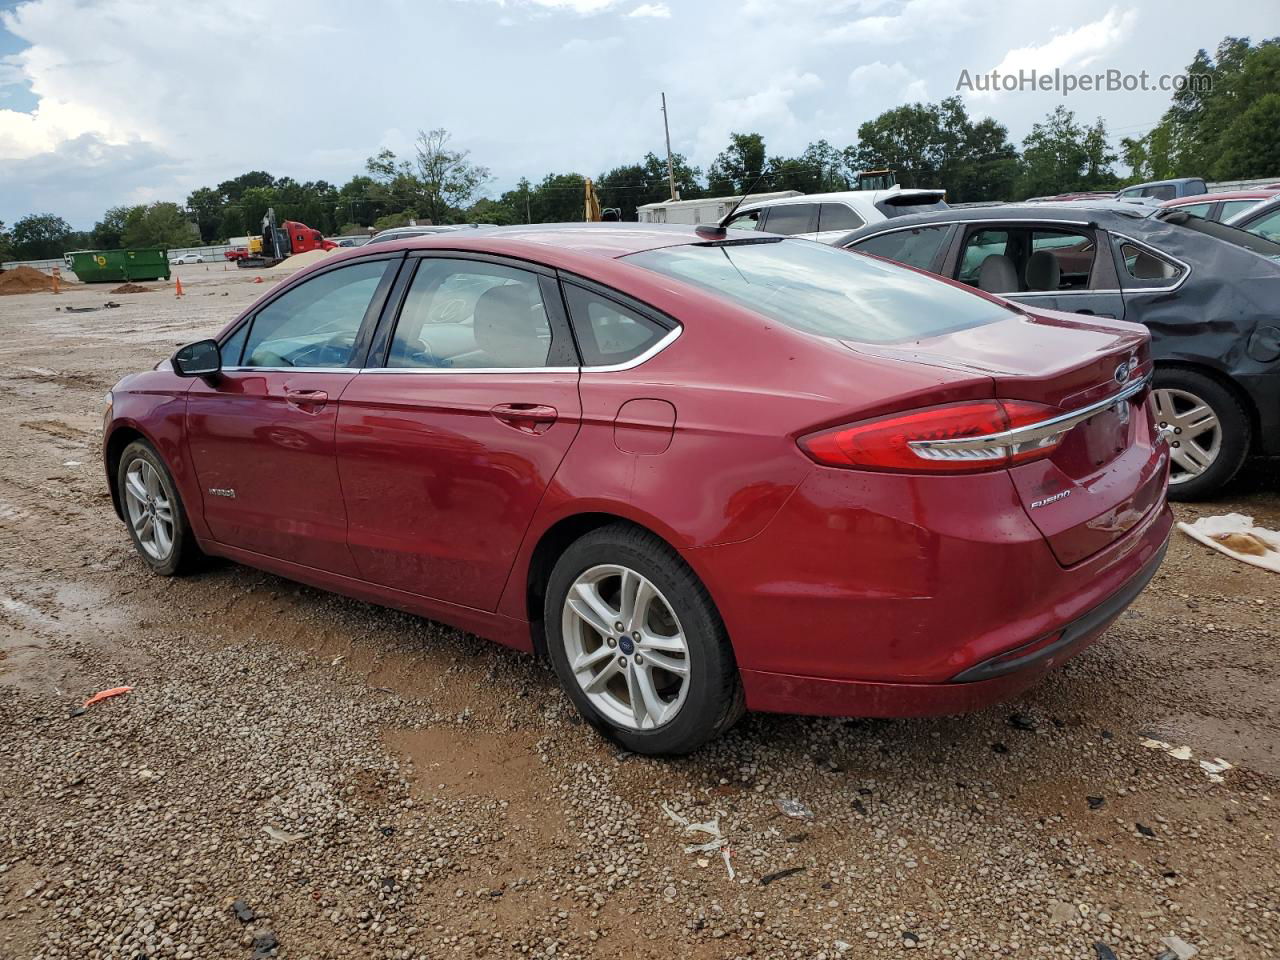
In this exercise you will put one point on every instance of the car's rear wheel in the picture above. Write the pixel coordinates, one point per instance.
(153, 511)
(1207, 429)
(638, 645)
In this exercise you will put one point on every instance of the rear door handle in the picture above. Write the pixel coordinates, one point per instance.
(526, 417)
(307, 399)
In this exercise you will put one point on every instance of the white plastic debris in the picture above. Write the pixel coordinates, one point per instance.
(793, 808)
(1213, 769)
(1179, 948)
(1235, 535)
(711, 828)
(280, 836)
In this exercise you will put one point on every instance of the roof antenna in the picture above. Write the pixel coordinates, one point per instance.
(718, 231)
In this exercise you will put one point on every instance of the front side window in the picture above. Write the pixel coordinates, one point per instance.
(823, 290)
(464, 314)
(608, 332)
(792, 218)
(315, 323)
(916, 247)
(1195, 209)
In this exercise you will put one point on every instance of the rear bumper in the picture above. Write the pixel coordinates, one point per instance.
(995, 679)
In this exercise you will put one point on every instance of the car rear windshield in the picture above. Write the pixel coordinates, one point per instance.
(824, 290)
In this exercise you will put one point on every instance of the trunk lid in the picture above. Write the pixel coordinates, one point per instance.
(1109, 471)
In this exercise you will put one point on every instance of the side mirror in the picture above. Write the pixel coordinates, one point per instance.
(200, 359)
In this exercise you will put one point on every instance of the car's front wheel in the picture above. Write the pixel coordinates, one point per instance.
(638, 645)
(153, 511)
(1207, 429)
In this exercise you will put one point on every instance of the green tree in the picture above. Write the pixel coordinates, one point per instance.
(1250, 147)
(206, 205)
(449, 179)
(6, 244)
(108, 233)
(738, 165)
(633, 185)
(1060, 156)
(160, 225)
(40, 236)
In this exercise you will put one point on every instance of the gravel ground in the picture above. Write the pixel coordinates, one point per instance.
(360, 783)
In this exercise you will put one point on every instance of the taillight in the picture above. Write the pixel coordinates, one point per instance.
(952, 438)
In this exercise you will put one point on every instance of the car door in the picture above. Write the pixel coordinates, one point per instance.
(261, 434)
(1056, 265)
(448, 439)
(835, 220)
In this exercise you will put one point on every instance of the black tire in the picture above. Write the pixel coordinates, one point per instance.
(1234, 427)
(184, 554)
(713, 701)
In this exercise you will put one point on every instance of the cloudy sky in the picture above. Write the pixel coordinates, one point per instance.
(121, 101)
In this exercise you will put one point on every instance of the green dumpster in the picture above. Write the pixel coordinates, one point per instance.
(114, 266)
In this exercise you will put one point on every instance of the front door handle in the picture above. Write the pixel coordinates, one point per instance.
(533, 418)
(307, 399)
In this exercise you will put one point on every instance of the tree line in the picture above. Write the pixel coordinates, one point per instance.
(1231, 130)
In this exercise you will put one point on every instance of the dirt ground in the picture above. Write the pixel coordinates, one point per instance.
(366, 784)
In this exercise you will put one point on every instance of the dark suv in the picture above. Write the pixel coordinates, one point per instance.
(1207, 291)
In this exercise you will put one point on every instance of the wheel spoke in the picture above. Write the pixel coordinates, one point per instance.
(589, 660)
(163, 512)
(152, 480)
(590, 608)
(670, 664)
(652, 642)
(135, 488)
(1198, 421)
(1163, 402)
(640, 681)
(597, 683)
(161, 539)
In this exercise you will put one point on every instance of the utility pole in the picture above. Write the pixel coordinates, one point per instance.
(666, 128)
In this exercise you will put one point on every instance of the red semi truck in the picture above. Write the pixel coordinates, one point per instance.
(278, 242)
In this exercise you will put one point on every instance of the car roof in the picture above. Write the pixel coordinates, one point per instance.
(1257, 194)
(1069, 211)
(1157, 183)
(840, 196)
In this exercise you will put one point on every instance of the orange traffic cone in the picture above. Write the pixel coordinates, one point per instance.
(177, 290)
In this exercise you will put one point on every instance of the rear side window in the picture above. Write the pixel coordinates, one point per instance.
(1072, 254)
(1267, 227)
(607, 332)
(464, 314)
(979, 245)
(1147, 269)
(1166, 191)
(792, 218)
(916, 247)
(1230, 208)
(745, 221)
(837, 216)
(1195, 209)
(823, 290)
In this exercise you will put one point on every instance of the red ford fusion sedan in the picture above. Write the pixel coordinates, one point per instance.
(701, 471)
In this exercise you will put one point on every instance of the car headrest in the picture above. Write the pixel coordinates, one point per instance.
(1043, 272)
(997, 275)
(506, 326)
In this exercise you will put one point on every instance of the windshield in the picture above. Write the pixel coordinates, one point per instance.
(824, 290)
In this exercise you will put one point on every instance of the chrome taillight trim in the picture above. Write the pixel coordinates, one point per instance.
(997, 446)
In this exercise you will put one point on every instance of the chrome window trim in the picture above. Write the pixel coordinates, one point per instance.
(669, 338)
(1186, 267)
(1031, 433)
(289, 370)
(1052, 293)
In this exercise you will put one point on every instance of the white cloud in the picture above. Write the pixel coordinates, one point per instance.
(1070, 49)
(658, 11)
(880, 86)
(911, 20)
(771, 107)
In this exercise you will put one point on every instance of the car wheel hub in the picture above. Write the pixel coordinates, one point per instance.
(1192, 429)
(625, 647)
(150, 512)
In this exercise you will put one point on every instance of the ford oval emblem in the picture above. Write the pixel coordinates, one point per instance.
(1122, 372)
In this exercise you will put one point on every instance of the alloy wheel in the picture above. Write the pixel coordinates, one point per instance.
(625, 646)
(149, 508)
(1193, 431)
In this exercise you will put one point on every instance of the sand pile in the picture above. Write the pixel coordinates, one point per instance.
(300, 260)
(24, 280)
(131, 288)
